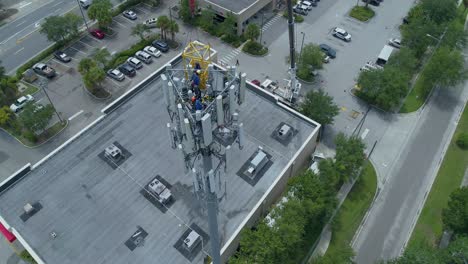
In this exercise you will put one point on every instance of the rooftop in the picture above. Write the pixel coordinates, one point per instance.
(236, 6)
(89, 209)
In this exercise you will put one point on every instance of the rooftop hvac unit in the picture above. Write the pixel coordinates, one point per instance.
(113, 152)
(284, 131)
(257, 163)
(28, 208)
(192, 240)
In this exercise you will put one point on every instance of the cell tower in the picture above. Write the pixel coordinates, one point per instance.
(204, 124)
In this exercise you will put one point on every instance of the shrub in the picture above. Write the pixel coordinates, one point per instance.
(462, 140)
(30, 136)
(297, 18)
(254, 48)
(362, 13)
(232, 39)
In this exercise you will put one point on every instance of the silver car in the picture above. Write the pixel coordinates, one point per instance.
(395, 42)
(116, 75)
(130, 14)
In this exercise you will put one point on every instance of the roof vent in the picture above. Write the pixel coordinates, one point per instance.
(28, 208)
(53, 235)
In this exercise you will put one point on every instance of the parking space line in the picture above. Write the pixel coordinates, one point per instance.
(18, 51)
(86, 44)
(78, 50)
(139, 9)
(112, 80)
(60, 63)
(119, 23)
(75, 115)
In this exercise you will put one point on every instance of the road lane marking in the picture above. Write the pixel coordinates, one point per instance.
(24, 5)
(364, 134)
(75, 115)
(21, 23)
(59, 3)
(18, 51)
(57, 10)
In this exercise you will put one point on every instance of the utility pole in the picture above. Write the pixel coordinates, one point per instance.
(292, 50)
(261, 28)
(82, 14)
(302, 45)
(43, 84)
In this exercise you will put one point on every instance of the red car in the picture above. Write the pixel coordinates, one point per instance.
(256, 82)
(97, 33)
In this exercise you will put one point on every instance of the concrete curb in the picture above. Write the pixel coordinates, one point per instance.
(95, 97)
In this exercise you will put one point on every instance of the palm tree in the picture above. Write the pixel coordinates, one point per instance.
(163, 23)
(173, 28)
(140, 30)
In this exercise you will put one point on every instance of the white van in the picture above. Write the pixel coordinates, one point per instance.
(145, 57)
(85, 3)
(384, 55)
(151, 23)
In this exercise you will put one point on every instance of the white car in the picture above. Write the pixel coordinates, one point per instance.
(21, 102)
(152, 51)
(341, 34)
(309, 4)
(134, 62)
(395, 42)
(151, 23)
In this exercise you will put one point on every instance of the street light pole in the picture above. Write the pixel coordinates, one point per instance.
(261, 28)
(302, 45)
(82, 14)
(43, 84)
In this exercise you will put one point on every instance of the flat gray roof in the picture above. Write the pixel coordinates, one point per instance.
(235, 6)
(94, 209)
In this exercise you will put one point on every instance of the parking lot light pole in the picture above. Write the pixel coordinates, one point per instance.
(82, 14)
(43, 84)
(261, 28)
(302, 45)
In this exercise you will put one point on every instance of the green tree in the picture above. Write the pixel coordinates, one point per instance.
(446, 68)
(8, 90)
(252, 31)
(320, 107)
(55, 28)
(2, 71)
(439, 11)
(73, 23)
(101, 56)
(457, 251)
(349, 156)
(465, 4)
(140, 30)
(153, 3)
(36, 118)
(312, 56)
(173, 28)
(455, 216)
(85, 65)
(456, 36)
(94, 77)
(101, 10)
(404, 59)
(186, 12)
(340, 256)
(206, 20)
(414, 35)
(228, 26)
(328, 174)
(418, 254)
(163, 24)
(5, 115)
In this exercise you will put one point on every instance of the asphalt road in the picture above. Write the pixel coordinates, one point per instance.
(21, 39)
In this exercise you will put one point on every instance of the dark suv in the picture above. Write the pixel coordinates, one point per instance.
(328, 50)
(161, 45)
(127, 70)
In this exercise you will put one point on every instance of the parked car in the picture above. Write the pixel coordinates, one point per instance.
(161, 45)
(151, 23)
(116, 75)
(85, 3)
(372, 2)
(328, 50)
(299, 10)
(395, 42)
(21, 102)
(97, 33)
(143, 56)
(316, 158)
(134, 62)
(152, 51)
(127, 70)
(341, 34)
(309, 3)
(62, 56)
(130, 14)
(44, 70)
(326, 58)
(256, 82)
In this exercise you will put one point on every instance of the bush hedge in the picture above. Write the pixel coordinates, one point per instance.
(233, 40)
(462, 140)
(254, 48)
(297, 18)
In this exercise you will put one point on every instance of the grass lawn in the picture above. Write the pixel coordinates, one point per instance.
(449, 177)
(416, 97)
(362, 13)
(353, 209)
(30, 90)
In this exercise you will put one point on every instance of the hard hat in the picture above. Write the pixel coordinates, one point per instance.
(198, 71)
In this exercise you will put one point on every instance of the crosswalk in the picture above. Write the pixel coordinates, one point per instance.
(271, 22)
(227, 59)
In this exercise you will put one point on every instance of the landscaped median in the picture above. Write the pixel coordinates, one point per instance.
(362, 13)
(351, 214)
(429, 226)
